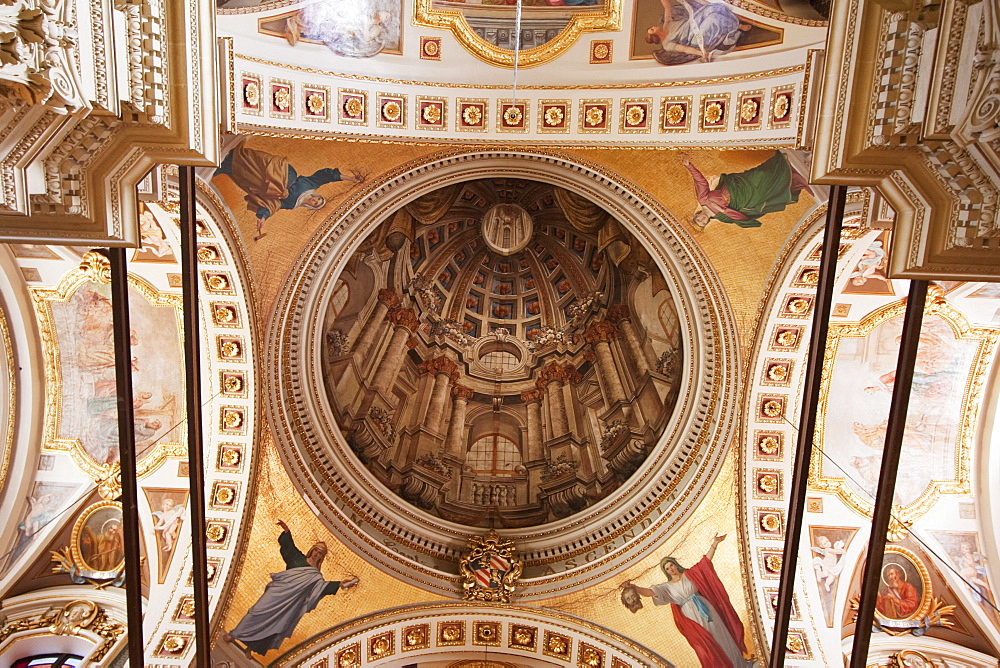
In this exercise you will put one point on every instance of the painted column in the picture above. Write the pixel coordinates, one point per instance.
(387, 299)
(455, 445)
(533, 399)
(599, 336)
(553, 376)
(405, 322)
(619, 314)
(443, 369)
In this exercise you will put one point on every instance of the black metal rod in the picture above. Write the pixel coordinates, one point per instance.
(807, 421)
(126, 452)
(882, 512)
(196, 455)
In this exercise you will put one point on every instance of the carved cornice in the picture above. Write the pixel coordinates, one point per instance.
(73, 145)
(920, 124)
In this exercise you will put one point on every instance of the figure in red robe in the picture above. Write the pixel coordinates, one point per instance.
(702, 611)
(899, 599)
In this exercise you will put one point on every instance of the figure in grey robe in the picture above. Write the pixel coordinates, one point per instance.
(288, 596)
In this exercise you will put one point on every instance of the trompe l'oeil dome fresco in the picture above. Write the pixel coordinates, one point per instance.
(501, 352)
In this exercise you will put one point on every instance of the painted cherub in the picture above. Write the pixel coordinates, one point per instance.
(168, 522)
(827, 562)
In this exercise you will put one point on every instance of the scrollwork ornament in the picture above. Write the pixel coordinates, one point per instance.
(96, 267)
(70, 620)
(491, 569)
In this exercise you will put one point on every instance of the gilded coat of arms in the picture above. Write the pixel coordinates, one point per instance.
(490, 569)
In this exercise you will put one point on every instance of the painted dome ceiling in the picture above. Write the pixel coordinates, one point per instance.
(502, 353)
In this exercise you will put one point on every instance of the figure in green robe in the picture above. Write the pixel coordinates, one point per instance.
(741, 199)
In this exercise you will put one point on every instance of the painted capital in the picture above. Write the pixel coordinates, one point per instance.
(589, 356)
(403, 317)
(439, 364)
(618, 312)
(390, 298)
(462, 392)
(565, 373)
(533, 395)
(600, 331)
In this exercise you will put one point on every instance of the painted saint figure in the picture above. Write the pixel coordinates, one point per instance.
(702, 610)
(693, 30)
(899, 599)
(287, 598)
(272, 184)
(743, 198)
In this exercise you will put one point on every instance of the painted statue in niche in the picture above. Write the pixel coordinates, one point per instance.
(271, 184)
(868, 277)
(861, 382)
(743, 198)
(44, 504)
(492, 377)
(675, 32)
(962, 548)
(88, 411)
(828, 546)
(289, 595)
(701, 609)
(350, 28)
(168, 508)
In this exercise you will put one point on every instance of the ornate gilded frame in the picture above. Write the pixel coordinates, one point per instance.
(987, 338)
(607, 19)
(93, 268)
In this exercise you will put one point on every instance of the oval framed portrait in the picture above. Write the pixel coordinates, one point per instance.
(904, 590)
(98, 543)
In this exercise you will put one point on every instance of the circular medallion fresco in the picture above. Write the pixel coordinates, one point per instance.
(508, 341)
(501, 353)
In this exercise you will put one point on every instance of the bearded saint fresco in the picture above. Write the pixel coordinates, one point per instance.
(271, 184)
(289, 595)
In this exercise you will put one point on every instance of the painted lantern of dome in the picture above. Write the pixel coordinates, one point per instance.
(502, 353)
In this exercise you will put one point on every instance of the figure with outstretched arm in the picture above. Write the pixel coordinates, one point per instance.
(742, 198)
(271, 184)
(702, 610)
(287, 597)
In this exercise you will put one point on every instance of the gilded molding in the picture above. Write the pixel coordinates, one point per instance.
(609, 19)
(42, 298)
(764, 74)
(11, 410)
(960, 484)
